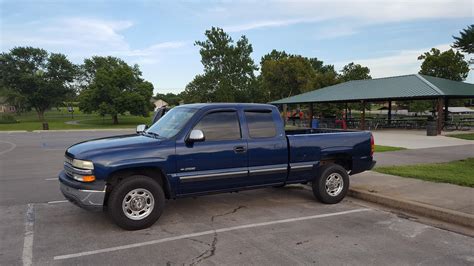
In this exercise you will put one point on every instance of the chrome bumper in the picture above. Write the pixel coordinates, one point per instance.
(87, 199)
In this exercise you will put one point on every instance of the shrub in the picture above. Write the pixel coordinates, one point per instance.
(7, 119)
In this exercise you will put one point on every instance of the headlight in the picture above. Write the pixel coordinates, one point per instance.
(83, 164)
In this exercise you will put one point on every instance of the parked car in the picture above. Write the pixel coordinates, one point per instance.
(198, 149)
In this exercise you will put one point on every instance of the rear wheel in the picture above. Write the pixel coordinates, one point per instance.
(332, 184)
(136, 202)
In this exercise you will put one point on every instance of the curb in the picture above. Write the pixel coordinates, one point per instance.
(446, 215)
(13, 131)
(84, 130)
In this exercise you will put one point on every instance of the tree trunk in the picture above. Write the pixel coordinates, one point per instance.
(41, 118)
(40, 115)
(115, 119)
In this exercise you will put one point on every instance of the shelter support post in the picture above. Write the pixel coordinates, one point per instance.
(439, 125)
(345, 113)
(284, 115)
(389, 118)
(311, 115)
(362, 118)
(446, 111)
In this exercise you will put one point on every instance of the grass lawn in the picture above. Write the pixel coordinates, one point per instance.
(380, 148)
(57, 120)
(456, 172)
(468, 136)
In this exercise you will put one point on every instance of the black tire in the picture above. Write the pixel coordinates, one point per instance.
(140, 183)
(331, 195)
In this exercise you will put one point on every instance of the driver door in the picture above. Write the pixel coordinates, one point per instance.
(218, 162)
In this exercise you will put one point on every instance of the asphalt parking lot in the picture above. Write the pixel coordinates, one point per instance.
(266, 226)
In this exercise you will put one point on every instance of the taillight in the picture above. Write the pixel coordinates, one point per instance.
(372, 145)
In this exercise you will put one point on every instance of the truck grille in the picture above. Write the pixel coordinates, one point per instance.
(68, 160)
(68, 166)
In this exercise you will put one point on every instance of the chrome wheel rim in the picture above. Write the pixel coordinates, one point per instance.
(334, 184)
(138, 204)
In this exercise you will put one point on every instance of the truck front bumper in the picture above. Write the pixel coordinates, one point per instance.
(87, 196)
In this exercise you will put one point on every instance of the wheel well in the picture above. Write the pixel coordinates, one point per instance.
(152, 172)
(342, 159)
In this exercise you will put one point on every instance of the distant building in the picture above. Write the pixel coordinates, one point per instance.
(5, 107)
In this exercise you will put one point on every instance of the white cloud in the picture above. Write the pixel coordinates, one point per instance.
(266, 24)
(268, 14)
(80, 37)
(400, 63)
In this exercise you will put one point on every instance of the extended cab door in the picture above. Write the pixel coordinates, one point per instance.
(267, 147)
(217, 163)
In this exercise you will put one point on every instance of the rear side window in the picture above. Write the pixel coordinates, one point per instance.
(220, 126)
(261, 124)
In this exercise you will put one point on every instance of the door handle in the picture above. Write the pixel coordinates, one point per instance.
(239, 149)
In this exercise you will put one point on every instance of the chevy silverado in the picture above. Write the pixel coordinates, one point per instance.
(199, 149)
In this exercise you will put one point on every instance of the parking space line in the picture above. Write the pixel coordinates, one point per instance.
(27, 256)
(12, 147)
(209, 232)
(57, 201)
(51, 179)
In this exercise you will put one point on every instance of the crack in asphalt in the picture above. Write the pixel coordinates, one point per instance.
(227, 213)
(211, 251)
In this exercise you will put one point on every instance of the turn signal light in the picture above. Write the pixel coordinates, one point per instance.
(372, 145)
(88, 178)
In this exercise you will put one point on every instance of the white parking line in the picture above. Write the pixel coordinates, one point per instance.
(209, 232)
(12, 147)
(27, 257)
(51, 179)
(57, 201)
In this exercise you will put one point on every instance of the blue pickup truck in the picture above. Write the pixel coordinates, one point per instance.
(199, 149)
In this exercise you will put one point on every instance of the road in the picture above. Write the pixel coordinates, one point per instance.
(266, 226)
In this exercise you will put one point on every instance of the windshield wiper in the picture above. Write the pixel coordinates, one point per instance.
(155, 135)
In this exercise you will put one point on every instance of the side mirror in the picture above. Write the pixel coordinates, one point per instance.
(196, 135)
(141, 128)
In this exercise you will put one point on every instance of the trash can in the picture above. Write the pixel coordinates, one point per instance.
(431, 128)
(314, 123)
(45, 126)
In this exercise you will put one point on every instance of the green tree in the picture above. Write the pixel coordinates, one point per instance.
(286, 77)
(448, 64)
(228, 70)
(112, 87)
(275, 56)
(465, 42)
(353, 71)
(36, 79)
(15, 99)
(171, 98)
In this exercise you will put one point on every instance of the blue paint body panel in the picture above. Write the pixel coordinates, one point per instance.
(194, 168)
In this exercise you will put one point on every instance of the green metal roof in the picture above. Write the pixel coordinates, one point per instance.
(413, 86)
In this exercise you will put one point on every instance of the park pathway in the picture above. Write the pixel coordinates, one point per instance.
(428, 155)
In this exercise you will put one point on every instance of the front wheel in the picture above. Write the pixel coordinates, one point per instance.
(136, 202)
(332, 184)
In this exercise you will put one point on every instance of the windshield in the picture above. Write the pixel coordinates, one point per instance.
(172, 122)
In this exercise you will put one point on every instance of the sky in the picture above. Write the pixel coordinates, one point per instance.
(159, 36)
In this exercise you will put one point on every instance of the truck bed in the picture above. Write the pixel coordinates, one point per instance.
(316, 145)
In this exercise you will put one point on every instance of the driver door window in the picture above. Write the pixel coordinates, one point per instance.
(220, 126)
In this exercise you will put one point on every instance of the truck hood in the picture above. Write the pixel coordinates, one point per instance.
(88, 149)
